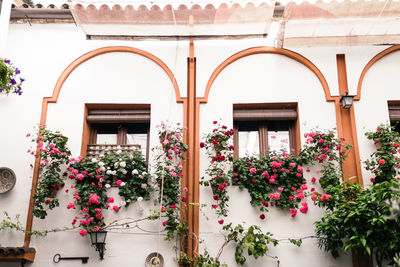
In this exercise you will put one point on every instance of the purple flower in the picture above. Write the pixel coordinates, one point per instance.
(13, 81)
(17, 71)
(7, 61)
(22, 79)
(1, 90)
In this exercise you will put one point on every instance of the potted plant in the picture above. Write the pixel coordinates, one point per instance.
(9, 80)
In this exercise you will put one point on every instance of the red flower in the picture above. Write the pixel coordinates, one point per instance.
(262, 216)
(215, 122)
(382, 162)
(214, 206)
(47, 201)
(221, 221)
(214, 142)
(254, 180)
(115, 208)
(201, 144)
(372, 180)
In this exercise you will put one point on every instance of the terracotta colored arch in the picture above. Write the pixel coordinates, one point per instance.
(54, 98)
(97, 52)
(369, 65)
(268, 50)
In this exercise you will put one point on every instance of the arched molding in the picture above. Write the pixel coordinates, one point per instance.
(369, 65)
(268, 50)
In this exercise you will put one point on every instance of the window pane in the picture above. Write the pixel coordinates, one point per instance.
(110, 139)
(138, 139)
(278, 141)
(249, 143)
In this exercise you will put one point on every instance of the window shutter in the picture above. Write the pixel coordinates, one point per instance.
(394, 112)
(264, 114)
(118, 116)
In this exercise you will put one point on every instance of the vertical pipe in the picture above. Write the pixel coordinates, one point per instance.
(4, 22)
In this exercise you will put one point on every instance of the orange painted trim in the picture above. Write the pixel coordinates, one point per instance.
(54, 98)
(369, 65)
(346, 126)
(268, 50)
(27, 256)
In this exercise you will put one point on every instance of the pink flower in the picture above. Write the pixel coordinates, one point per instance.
(314, 197)
(313, 180)
(97, 210)
(110, 200)
(99, 216)
(271, 181)
(28, 134)
(292, 164)
(166, 142)
(71, 205)
(173, 206)
(115, 208)
(253, 170)
(293, 212)
(164, 223)
(280, 189)
(173, 174)
(300, 169)
(93, 198)
(303, 187)
(83, 232)
(163, 209)
(119, 182)
(382, 162)
(79, 176)
(74, 172)
(185, 189)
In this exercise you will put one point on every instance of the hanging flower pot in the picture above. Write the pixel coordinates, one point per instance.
(53, 189)
(377, 143)
(9, 80)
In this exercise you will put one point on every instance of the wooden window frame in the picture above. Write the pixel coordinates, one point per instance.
(129, 114)
(262, 115)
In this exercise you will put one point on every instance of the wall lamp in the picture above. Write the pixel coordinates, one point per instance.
(346, 100)
(98, 240)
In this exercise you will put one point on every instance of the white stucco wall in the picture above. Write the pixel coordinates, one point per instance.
(268, 78)
(43, 51)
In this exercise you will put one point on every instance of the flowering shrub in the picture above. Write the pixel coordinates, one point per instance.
(275, 179)
(219, 149)
(93, 176)
(356, 219)
(384, 163)
(9, 82)
(169, 172)
(325, 149)
(51, 148)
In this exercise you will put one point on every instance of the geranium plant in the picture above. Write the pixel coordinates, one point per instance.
(220, 150)
(93, 176)
(384, 162)
(329, 151)
(10, 82)
(51, 148)
(276, 179)
(168, 167)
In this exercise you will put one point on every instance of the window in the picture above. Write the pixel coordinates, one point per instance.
(261, 129)
(394, 114)
(118, 129)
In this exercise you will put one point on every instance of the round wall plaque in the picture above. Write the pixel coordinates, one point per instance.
(7, 180)
(155, 259)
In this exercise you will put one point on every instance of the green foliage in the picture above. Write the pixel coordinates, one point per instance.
(219, 149)
(94, 175)
(356, 218)
(384, 162)
(53, 152)
(253, 239)
(263, 177)
(4, 71)
(9, 80)
(326, 149)
(205, 260)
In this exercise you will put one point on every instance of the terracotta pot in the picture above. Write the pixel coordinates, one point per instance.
(54, 189)
(377, 143)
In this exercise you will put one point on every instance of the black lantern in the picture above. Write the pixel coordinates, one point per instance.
(98, 240)
(346, 100)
